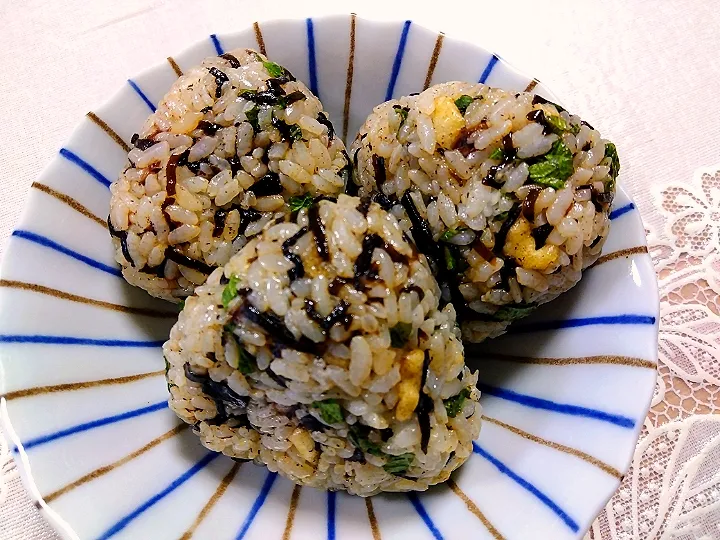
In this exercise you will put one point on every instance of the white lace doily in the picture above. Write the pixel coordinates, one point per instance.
(672, 489)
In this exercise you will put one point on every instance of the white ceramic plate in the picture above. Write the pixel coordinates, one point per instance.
(82, 369)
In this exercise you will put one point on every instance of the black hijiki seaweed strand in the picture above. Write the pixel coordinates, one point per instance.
(490, 180)
(277, 329)
(220, 79)
(234, 62)
(424, 407)
(180, 258)
(318, 229)
(267, 185)
(427, 246)
(311, 423)
(247, 216)
(528, 204)
(278, 379)
(347, 175)
(385, 202)
(364, 206)
(219, 222)
(158, 270)
(325, 121)
(171, 174)
(298, 270)
(122, 236)
(540, 234)
(210, 128)
(194, 166)
(220, 393)
(378, 164)
(337, 315)
(352, 187)
(290, 242)
(140, 143)
(364, 260)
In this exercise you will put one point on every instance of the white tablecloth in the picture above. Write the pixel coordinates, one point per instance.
(646, 73)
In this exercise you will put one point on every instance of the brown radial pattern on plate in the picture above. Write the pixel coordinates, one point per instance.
(531, 85)
(97, 473)
(638, 250)
(612, 471)
(374, 527)
(219, 492)
(72, 203)
(349, 77)
(292, 509)
(259, 38)
(68, 387)
(107, 129)
(475, 510)
(41, 289)
(434, 60)
(174, 66)
(601, 359)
